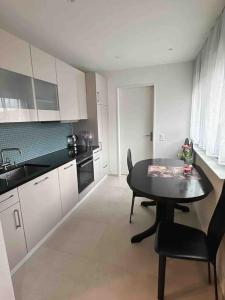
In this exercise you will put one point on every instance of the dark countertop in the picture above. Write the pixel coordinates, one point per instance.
(51, 161)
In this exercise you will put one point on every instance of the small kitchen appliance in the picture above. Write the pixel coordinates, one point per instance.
(72, 142)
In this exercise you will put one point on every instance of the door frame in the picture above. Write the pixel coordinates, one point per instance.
(118, 119)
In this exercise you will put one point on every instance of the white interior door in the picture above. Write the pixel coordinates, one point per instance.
(136, 124)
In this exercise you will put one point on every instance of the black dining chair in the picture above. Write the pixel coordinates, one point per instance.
(184, 242)
(135, 194)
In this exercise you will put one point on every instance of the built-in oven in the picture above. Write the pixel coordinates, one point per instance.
(85, 172)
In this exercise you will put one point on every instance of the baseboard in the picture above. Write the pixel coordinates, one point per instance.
(41, 242)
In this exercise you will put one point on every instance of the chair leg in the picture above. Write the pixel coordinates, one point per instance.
(161, 277)
(209, 273)
(132, 206)
(215, 281)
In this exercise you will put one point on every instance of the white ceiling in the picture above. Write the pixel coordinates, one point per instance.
(105, 35)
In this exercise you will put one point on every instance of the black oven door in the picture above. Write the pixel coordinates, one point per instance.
(85, 173)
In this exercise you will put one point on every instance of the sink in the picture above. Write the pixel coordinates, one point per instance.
(21, 172)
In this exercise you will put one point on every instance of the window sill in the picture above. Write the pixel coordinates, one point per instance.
(211, 162)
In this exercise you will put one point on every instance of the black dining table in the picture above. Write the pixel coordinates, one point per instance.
(166, 191)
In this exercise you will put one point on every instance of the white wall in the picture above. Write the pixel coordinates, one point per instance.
(173, 88)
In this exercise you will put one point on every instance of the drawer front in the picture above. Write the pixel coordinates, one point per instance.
(8, 199)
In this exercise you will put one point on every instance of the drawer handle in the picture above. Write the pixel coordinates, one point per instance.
(68, 167)
(41, 180)
(17, 218)
(97, 159)
(11, 196)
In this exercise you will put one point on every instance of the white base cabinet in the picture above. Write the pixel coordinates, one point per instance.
(12, 226)
(41, 206)
(98, 174)
(68, 186)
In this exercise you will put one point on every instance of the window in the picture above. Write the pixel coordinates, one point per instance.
(208, 99)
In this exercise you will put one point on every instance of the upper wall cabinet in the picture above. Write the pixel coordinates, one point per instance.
(43, 65)
(14, 54)
(16, 98)
(81, 94)
(47, 103)
(101, 89)
(67, 89)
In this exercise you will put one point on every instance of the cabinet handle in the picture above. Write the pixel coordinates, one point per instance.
(87, 163)
(97, 159)
(68, 167)
(17, 218)
(41, 180)
(105, 166)
(11, 196)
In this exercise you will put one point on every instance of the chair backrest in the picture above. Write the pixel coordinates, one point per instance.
(129, 160)
(216, 228)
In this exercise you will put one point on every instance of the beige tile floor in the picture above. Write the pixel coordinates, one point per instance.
(90, 256)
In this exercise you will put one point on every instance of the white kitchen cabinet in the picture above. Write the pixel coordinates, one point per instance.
(67, 89)
(97, 106)
(12, 226)
(68, 186)
(15, 54)
(6, 287)
(101, 89)
(105, 146)
(81, 94)
(47, 101)
(43, 65)
(102, 115)
(45, 85)
(97, 158)
(16, 94)
(40, 206)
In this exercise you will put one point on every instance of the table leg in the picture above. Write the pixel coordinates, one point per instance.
(148, 203)
(163, 212)
(153, 203)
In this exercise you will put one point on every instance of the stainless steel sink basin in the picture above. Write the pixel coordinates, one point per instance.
(21, 172)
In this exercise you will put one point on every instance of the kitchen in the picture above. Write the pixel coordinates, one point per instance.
(80, 84)
(33, 87)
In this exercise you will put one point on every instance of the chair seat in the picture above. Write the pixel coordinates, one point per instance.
(180, 241)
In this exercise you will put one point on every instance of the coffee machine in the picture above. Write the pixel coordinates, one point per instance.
(72, 142)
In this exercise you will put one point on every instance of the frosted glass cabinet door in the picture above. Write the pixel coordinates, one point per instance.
(16, 98)
(46, 100)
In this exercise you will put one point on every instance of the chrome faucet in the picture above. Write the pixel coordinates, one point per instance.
(4, 164)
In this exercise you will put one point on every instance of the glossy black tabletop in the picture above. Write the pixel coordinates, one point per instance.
(174, 190)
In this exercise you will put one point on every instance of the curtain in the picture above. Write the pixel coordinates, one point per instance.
(208, 97)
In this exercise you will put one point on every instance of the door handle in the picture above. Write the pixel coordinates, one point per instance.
(150, 135)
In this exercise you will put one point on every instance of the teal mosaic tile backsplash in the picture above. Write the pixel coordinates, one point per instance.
(34, 139)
